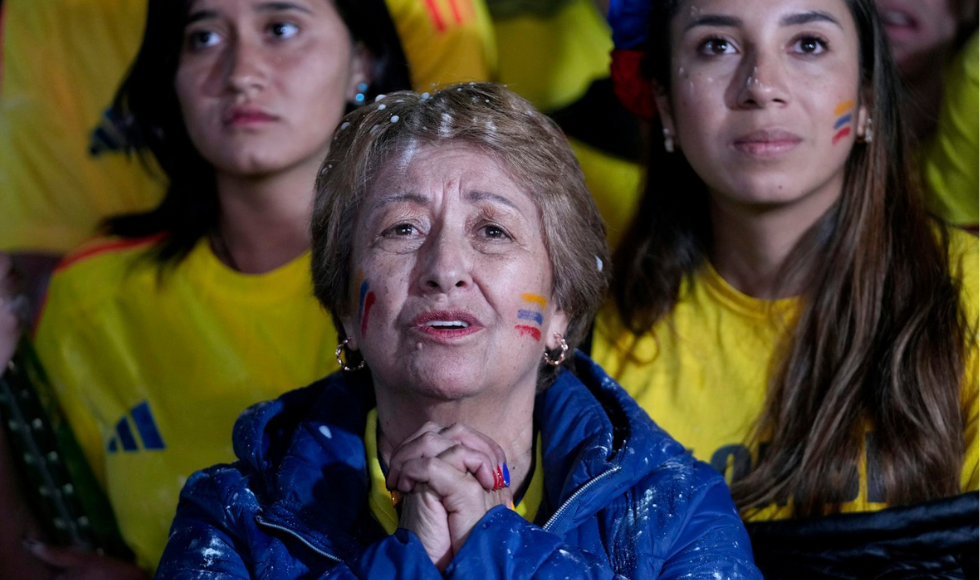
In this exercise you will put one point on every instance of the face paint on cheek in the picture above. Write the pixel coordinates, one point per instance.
(531, 313)
(365, 300)
(842, 125)
(368, 303)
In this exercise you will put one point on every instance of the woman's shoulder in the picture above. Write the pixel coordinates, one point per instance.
(94, 271)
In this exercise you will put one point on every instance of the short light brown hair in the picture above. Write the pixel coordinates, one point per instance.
(530, 146)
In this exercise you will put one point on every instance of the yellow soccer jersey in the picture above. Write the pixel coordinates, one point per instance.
(61, 64)
(551, 59)
(702, 373)
(152, 372)
(952, 172)
(445, 41)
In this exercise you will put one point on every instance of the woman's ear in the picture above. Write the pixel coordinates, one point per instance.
(557, 325)
(863, 116)
(665, 111)
(360, 70)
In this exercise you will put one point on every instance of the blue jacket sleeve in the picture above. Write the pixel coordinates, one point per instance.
(712, 541)
(202, 542)
(400, 556)
(505, 546)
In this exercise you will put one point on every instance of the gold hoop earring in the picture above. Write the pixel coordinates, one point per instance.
(668, 141)
(340, 361)
(561, 357)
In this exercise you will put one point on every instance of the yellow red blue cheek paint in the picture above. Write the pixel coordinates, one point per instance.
(531, 318)
(365, 300)
(844, 113)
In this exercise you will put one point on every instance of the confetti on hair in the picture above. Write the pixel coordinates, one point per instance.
(394, 118)
(425, 96)
(344, 125)
(598, 263)
(382, 107)
(378, 98)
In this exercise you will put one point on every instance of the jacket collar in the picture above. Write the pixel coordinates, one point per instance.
(592, 429)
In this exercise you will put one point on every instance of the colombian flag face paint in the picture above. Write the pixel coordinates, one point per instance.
(845, 113)
(530, 316)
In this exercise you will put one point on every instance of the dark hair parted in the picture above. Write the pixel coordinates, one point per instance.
(154, 125)
(528, 144)
(880, 337)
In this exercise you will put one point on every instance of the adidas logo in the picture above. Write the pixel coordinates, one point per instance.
(146, 427)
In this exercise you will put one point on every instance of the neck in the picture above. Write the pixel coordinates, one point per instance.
(751, 244)
(264, 221)
(507, 419)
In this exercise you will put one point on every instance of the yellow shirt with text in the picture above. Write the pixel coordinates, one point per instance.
(702, 373)
(152, 371)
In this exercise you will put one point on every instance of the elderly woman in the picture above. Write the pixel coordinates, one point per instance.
(459, 251)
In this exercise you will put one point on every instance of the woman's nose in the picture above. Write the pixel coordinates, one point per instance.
(446, 265)
(246, 70)
(761, 82)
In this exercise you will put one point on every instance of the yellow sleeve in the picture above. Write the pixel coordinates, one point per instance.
(445, 41)
(965, 266)
(950, 161)
(60, 344)
(61, 64)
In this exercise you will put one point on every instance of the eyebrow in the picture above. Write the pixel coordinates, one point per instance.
(477, 195)
(265, 7)
(200, 15)
(808, 17)
(790, 20)
(714, 20)
(280, 6)
(391, 198)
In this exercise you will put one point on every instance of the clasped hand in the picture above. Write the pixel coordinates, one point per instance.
(447, 478)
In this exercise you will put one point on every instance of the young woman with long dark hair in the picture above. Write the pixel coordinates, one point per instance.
(157, 336)
(783, 303)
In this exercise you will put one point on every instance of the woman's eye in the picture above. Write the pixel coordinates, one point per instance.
(495, 232)
(714, 46)
(810, 45)
(284, 30)
(403, 230)
(203, 38)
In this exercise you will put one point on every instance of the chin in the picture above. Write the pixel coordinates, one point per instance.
(443, 380)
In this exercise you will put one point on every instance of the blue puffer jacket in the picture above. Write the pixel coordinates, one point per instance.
(622, 499)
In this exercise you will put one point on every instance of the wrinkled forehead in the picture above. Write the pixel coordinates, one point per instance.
(422, 166)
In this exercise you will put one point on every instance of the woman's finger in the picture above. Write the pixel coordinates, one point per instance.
(432, 441)
(427, 443)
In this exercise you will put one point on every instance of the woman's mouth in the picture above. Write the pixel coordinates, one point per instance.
(246, 116)
(767, 142)
(447, 325)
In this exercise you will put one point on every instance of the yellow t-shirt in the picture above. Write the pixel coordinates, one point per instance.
(379, 499)
(152, 372)
(550, 52)
(702, 373)
(445, 41)
(950, 166)
(62, 63)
